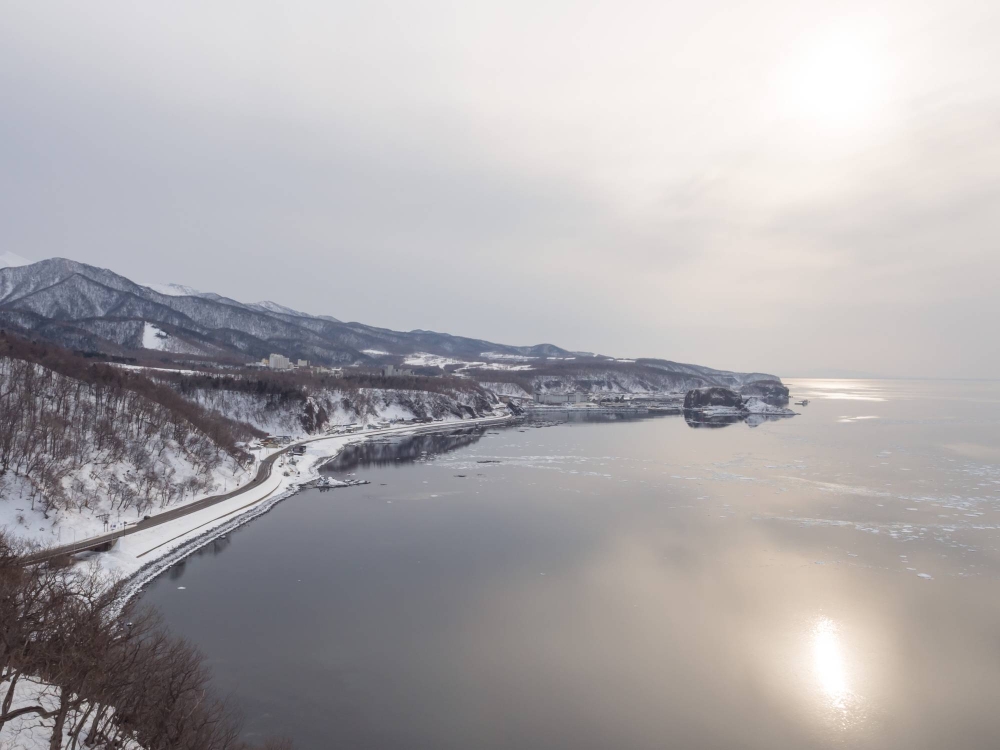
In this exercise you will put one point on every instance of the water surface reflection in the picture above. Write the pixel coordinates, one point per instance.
(629, 583)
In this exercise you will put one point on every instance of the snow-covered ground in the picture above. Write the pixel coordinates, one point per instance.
(154, 337)
(79, 456)
(512, 390)
(423, 359)
(58, 526)
(173, 290)
(28, 731)
(507, 357)
(165, 369)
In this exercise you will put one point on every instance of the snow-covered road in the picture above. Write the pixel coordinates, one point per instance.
(150, 545)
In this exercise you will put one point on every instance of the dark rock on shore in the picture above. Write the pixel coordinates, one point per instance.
(699, 398)
(769, 391)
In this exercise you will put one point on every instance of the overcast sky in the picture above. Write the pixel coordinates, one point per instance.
(795, 187)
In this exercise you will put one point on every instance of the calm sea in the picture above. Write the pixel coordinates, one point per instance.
(830, 580)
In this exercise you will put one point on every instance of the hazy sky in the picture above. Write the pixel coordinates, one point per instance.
(793, 187)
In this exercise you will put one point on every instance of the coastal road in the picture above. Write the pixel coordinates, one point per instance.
(263, 474)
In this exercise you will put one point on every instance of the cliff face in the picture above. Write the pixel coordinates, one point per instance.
(312, 411)
(716, 403)
(699, 398)
(769, 391)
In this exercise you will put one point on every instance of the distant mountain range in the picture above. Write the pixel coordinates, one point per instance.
(87, 308)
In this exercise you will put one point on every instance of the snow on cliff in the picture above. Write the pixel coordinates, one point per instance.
(512, 390)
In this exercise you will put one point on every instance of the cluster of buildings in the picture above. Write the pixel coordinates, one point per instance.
(390, 371)
(283, 363)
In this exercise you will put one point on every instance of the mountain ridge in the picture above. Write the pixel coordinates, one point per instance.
(87, 307)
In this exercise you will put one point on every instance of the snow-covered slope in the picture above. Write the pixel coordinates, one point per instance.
(75, 453)
(173, 290)
(60, 298)
(513, 390)
(312, 411)
(90, 308)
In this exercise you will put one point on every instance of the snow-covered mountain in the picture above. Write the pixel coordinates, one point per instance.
(85, 307)
(94, 309)
(174, 290)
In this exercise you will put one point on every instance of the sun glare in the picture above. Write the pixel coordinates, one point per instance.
(835, 82)
(828, 663)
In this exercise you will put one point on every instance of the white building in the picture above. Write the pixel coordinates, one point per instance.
(391, 370)
(279, 362)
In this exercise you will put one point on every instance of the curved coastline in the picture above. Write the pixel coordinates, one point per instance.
(136, 580)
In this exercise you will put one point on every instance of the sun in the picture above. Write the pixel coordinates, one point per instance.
(834, 81)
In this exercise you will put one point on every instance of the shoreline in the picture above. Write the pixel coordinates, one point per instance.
(229, 520)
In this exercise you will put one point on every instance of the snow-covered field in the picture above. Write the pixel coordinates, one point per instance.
(506, 357)
(423, 359)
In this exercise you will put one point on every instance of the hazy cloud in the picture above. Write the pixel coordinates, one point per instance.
(778, 186)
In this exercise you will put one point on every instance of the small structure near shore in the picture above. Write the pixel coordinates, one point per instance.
(558, 399)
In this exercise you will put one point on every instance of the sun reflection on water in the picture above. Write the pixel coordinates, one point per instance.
(829, 663)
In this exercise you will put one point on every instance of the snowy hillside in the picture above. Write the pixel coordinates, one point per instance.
(94, 309)
(311, 408)
(75, 453)
(173, 290)
(61, 299)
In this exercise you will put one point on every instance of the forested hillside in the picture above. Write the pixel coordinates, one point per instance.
(95, 440)
(308, 403)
